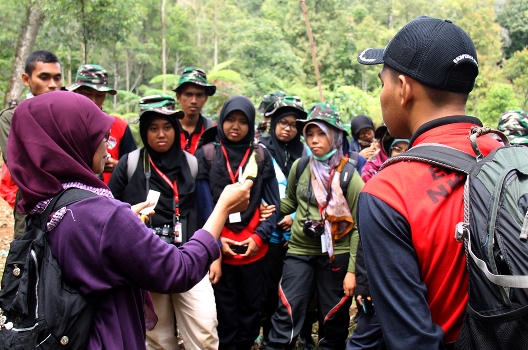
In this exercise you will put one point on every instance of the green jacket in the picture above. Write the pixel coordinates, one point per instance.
(295, 201)
(5, 125)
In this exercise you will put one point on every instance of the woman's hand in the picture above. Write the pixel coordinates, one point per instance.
(226, 250)
(215, 271)
(253, 248)
(265, 211)
(286, 223)
(349, 284)
(136, 208)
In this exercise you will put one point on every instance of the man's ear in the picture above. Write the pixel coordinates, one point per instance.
(178, 95)
(25, 79)
(406, 89)
(206, 98)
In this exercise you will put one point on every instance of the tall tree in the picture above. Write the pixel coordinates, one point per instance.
(34, 18)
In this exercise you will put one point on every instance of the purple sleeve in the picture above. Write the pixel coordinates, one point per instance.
(398, 293)
(103, 244)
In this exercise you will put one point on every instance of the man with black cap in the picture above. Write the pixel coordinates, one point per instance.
(407, 212)
(192, 93)
(92, 82)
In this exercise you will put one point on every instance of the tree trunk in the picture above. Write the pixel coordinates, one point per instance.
(314, 50)
(26, 40)
(163, 46)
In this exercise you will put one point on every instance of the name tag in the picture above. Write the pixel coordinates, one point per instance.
(234, 218)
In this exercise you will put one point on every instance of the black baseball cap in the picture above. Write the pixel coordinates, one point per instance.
(433, 51)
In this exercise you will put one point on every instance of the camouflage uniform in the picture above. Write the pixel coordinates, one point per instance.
(514, 124)
(196, 76)
(326, 113)
(267, 103)
(93, 76)
(121, 140)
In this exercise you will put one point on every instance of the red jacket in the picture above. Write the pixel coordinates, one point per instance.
(407, 217)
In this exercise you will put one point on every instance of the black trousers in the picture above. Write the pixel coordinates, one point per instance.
(302, 276)
(239, 296)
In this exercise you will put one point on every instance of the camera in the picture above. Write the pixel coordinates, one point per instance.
(313, 229)
(165, 233)
(238, 249)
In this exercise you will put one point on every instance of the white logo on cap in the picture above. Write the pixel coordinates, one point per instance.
(463, 57)
(363, 58)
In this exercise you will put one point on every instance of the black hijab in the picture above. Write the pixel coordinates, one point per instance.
(173, 164)
(285, 153)
(218, 175)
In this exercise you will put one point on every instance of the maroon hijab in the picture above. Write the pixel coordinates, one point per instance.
(52, 141)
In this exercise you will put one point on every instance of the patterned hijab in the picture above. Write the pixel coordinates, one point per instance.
(52, 141)
(337, 216)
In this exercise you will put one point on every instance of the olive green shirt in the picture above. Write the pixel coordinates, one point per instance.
(296, 201)
(5, 125)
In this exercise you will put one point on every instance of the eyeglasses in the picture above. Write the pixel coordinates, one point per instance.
(107, 136)
(284, 124)
(365, 132)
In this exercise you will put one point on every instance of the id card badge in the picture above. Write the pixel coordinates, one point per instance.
(234, 218)
(324, 242)
(178, 232)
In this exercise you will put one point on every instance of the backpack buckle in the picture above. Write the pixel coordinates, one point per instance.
(461, 231)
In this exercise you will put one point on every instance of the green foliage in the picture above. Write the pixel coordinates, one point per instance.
(514, 17)
(499, 99)
(260, 46)
(350, 101)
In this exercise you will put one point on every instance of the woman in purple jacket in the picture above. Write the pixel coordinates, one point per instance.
(57, 141)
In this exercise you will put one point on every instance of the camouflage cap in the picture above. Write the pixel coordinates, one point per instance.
(161, 104)
(93, 76)
(293, 103)
(196, 76)
(514, 124)
(326, 113)
(269, 100)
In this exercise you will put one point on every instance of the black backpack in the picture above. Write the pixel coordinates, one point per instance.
(495, 235)
(37, 309)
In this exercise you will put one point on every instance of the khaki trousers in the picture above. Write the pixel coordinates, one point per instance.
(195, 311)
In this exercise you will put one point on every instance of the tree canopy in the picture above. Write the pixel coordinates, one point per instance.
(253, 47)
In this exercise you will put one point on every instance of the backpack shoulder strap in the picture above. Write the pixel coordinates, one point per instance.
(259, 149)
(208, 123)
(193, 163)
(353, 158)
(301, 165)
(436, 154)
(209, 153)
(346, 175)
(132, 162)
(64, 198)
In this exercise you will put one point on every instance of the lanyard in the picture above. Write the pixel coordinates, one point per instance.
(174, 187)
(229, 170)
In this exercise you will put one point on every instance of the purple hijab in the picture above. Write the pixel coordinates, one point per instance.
(53, 140)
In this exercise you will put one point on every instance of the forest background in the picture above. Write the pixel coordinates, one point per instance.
(253, 47)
